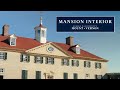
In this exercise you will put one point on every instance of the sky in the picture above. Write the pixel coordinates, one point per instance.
(103, 44)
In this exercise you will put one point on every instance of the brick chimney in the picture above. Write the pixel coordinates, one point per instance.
(5, 30)
(69, 40)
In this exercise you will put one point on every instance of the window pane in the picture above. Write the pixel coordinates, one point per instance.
(49, 60)
(12, 41)
(25, 58)
(43, 33)
(24, 74)
(38, 59)
(65, 75)
(65, 62)
(75, 76)
(38, 74)
(39, 32)
(1, 76)
(2, 55)
(46, 60)
(1, 70)
(78, 50)
(52, 62)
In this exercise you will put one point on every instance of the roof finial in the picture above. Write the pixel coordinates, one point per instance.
(41, 20)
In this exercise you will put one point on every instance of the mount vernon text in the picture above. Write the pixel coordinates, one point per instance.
(85, 24)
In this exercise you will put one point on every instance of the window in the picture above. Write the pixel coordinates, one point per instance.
(13, 41)
(38, 59)
(24, 58)
(87, 64)
(38, 74)
(49, 60)
(1, 76)
(65, 62)
(43, 33)
(3, 55)
(24, 74)
(98, 76)
(75, 63)
(38, 32)
(87, 76)
(1, 70)
(98, 65)
(65, 75)
(77, 50)
(50, 49)
(75, 76)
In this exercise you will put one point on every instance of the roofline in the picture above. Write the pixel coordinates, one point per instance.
(12, 49)
(91, 59)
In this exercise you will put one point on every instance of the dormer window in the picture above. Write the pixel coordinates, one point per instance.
(13, 40)
(76, 49)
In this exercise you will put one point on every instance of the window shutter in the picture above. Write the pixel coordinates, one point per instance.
(84, 63)
(41, 60)
(100, 65)
(35, 57)
(95, 65)
(28, 58)
(5, 56)
(89, 64)
(21, 58)
(96, 76)
(52, 62)
(77, 63)
(62, 62)
(46, 60)
(72, 62)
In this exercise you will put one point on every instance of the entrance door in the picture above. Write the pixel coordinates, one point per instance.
(1, 76)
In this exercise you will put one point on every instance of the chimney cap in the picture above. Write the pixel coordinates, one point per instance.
(70, 37)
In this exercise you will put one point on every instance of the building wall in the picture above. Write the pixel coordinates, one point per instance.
(13, 68)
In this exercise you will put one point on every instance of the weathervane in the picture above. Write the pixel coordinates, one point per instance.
(41, 17)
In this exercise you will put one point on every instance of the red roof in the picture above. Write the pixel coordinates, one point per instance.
(83, 53)
(21, 43)
(28, 43)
